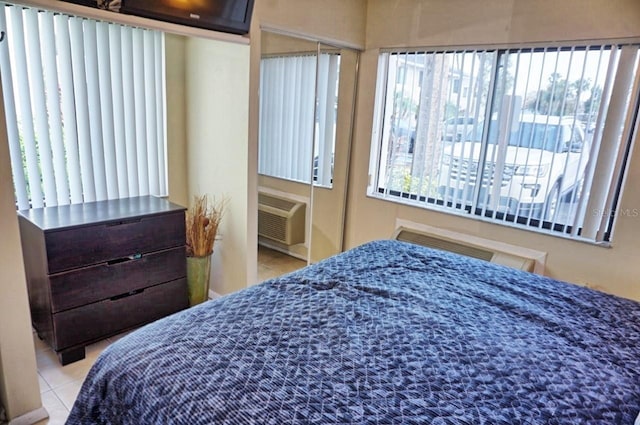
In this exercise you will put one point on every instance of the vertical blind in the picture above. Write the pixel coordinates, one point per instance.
(287, 105)
(529, 137)
(328, 77)
(298, 117)
(84, 103)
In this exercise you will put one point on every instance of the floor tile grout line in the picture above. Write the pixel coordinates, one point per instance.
(65, 404)
(57, 387)
(45, 381)
(60, 400)
(57, 398)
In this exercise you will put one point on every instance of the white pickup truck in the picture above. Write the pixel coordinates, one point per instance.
(526, 174)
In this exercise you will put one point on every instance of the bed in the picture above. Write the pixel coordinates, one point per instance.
(386, 333)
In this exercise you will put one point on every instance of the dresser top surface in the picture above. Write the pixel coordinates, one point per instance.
(65, 216)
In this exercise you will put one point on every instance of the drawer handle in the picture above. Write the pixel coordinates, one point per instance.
(124, 259)
(121, 222)
(128, 294)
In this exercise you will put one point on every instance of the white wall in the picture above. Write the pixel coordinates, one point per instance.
(322, 20)
(424, 23)
(19, 389)
(217, 108)
(175, 71)
(421, 23)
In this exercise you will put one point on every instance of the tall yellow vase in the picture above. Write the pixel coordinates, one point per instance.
(198, 273)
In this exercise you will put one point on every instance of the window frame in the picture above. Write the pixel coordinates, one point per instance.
(629, 115)
(83, 58)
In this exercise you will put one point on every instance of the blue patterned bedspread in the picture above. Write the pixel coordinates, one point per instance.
(387, 333)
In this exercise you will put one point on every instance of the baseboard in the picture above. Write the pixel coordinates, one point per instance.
(281, 248)
(30, 418)
(213, 295)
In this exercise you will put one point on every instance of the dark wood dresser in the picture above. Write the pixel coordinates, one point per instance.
(96, 269)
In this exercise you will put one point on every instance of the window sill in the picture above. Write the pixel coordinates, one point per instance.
(444, 210)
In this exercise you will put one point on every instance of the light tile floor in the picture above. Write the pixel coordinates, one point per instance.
(59, 385)
(273, 263)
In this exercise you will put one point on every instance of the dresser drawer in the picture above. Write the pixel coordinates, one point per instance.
(87, 245)
(104, 318)
(87, 285)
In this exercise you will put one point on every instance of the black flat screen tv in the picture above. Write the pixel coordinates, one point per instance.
(233, 16)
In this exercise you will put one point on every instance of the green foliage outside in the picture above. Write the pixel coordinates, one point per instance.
(561, 97)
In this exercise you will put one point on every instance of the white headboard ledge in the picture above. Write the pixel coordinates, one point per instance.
(501, 253)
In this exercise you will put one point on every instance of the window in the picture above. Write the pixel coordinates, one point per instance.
(455, 88)
(84, 103)
(298, 115)
(539, 139)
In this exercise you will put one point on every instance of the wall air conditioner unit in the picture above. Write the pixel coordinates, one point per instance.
(471, 246)
(281, 219)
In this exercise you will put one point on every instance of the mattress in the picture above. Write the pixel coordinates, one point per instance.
(386, 333)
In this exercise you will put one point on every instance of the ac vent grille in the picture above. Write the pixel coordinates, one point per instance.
(444, 245)
(272, 226)
(272, 201)
(280, 219)
(517, 257)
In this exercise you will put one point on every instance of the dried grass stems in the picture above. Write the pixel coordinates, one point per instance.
(203, 219)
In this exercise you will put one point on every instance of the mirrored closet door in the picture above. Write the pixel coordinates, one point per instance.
(307, 94)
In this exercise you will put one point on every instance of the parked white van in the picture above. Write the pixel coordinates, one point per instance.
(454, 128)
(543, 159)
